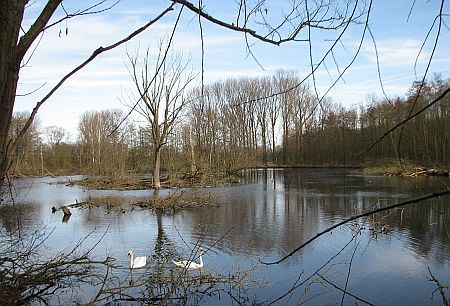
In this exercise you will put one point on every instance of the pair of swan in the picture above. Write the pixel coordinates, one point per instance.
(141, 261)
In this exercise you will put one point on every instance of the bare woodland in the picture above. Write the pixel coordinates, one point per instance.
(280, 119)
(218, 133)
(218, 127)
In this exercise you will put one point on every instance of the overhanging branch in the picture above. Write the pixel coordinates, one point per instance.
(97, 52)
(368, 213)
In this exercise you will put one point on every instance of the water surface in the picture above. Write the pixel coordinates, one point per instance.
(268, 216)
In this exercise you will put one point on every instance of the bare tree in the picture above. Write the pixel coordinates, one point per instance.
(14, 48)
(104, 152)
(160, 99)
(25, 160)
(55, 134)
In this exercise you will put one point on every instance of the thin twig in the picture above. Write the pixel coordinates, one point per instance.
(348, 274)
(97, 52)
(346, 292)
(370, 212)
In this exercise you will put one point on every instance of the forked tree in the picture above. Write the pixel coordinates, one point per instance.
(160, 95)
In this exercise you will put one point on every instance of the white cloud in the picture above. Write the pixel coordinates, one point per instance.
(396, 52)
(100, 83)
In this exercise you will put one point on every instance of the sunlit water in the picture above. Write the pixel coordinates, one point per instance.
(267, 217)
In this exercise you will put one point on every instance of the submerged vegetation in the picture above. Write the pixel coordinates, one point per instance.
(132, 182)
(162, 203)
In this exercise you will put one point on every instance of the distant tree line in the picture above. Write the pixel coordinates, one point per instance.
(244, 122)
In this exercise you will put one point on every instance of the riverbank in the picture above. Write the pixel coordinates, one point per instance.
(392, 167)
(385, 167)
(380, 166)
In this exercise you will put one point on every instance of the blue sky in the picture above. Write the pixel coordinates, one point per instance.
(105, 82)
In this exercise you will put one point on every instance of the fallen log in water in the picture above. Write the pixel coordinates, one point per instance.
(66, 210)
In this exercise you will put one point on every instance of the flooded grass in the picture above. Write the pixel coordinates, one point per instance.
(146, 182)
(115, 183)
(178, 201)
(168, 203)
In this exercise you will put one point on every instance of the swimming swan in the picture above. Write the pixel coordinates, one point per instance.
(137, 262)
(188, 264)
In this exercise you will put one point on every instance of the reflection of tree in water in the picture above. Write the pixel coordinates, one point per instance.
(426, 226)
(18, 216)
(341, 195)
(164, 248)
(164, 283)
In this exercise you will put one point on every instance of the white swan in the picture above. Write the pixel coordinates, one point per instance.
(137, 262)
(189, 264)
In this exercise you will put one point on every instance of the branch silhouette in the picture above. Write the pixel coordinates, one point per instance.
(370, 212)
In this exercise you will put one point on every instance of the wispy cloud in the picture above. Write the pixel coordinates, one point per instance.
(396, 52)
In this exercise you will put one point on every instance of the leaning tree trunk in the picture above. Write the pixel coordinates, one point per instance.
(11, 14)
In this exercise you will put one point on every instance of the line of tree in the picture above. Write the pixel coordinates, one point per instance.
(234, 126)
(227, 126)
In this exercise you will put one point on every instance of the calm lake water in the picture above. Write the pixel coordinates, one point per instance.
(262, 220)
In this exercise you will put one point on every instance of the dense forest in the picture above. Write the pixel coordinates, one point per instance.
(245, 122)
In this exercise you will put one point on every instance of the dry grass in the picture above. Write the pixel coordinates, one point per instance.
(115, 183)
(178, 201)
(169, 204)
(389, 166)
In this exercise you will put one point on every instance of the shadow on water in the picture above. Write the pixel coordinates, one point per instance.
(272, 213)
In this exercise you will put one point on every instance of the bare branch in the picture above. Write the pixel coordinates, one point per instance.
(158, 68)
(343, 290)
(370, 212)
(439, 98)
(31, 92)
(29, 37)
(439, 16)
(87, 11)
(97, 52)
(224, 24)
(440, 287)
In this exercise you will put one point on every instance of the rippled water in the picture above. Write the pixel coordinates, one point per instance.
(268, 216)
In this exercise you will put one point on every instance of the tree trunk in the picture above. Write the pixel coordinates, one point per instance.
(11, 13)
(157, 166)
(191, 143)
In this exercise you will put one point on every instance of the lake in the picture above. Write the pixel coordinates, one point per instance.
(259, 221)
